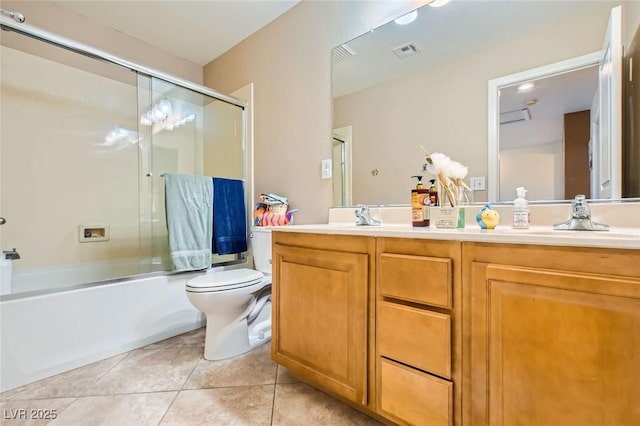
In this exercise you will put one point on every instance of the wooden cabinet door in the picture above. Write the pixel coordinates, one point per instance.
(320, 317)
(554, 348)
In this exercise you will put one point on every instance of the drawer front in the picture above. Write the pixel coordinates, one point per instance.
(416, 278)
(416, 337)
(414, 397)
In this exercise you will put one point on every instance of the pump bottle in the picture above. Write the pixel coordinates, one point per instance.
(433, 193)
(521, 217)
(420, 215)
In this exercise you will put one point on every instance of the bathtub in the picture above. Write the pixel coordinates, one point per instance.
(47, 334)
(71, 275)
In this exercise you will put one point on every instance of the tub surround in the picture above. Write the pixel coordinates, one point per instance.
(417, 325)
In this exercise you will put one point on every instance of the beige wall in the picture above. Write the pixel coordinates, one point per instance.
(630, 20)
(55, 19)
(444, 108)
(289, 62)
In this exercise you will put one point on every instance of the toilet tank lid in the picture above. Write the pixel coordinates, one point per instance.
(225, 278)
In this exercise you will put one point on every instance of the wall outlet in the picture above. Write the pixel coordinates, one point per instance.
(326, 169)
(477, 183)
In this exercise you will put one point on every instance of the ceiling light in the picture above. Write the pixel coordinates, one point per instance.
(525, 87)
(407, 19)
(438, 3)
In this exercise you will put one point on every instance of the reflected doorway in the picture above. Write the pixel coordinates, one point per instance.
(341, 159)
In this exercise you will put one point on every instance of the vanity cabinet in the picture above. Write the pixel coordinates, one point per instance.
(554, 335)
(417, 343)
(322, 299)
(431, 332)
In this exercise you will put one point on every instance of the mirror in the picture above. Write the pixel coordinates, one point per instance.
(402, 87)
(540, 131)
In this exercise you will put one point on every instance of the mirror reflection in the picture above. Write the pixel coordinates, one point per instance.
(402, 87)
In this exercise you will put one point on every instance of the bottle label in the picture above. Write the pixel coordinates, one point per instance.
(521, 218)
(448, 217)
(420, 207)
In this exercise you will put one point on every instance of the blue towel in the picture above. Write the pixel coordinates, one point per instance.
(188, 201)
(229, 216)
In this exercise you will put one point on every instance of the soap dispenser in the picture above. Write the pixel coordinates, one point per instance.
(420, 215)
(433, 193)
(521, 216)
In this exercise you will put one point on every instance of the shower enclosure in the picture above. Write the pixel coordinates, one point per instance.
(85, 139)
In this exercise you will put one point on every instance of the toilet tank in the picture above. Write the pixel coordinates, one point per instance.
(261, 245)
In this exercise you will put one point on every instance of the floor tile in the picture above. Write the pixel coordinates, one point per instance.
(149, 370)
(118, 410)
(34, 412)
(300, 404)
(284, 376)
(235, 406)
(192, 338)
(253, 368)
(69, 384)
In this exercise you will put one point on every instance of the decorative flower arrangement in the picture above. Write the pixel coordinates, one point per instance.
(450, 175)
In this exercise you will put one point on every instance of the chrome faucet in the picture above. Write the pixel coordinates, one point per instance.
(364, 218)
(580, 219)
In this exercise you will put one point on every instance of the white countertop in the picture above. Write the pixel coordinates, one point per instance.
(621, 238)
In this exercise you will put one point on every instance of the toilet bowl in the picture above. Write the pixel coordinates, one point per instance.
(236, 303)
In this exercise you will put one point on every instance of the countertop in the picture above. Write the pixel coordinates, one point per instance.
(620, 238)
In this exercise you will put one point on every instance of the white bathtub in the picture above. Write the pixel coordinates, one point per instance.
(63, 276)
(48, 334)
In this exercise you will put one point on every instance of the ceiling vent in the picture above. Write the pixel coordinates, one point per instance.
(341, 53)
(407, 50)
(515, 116)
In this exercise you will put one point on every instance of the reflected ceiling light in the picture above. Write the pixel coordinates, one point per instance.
(120, 136)
(144, 120)
(159, 112)
(407, 19)
(525, 87)
(438, 3)
(164, 106)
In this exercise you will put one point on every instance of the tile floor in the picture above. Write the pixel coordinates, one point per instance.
(170, 383)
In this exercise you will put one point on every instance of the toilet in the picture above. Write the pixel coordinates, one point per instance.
(236, 303)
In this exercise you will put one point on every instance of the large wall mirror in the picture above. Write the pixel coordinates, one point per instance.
(428, 85)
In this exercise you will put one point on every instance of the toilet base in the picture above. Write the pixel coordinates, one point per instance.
(238, 337)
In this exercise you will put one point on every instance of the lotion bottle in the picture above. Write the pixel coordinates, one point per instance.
(521, 217)
(420, 215)
(433, 193)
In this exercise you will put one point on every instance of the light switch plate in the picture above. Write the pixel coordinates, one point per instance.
(477, 183)
(326, 169)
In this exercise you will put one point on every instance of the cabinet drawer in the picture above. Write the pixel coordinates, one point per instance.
(416, 337)
(416, 278)
(414, 397)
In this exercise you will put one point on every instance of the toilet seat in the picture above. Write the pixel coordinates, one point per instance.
(224, 280)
